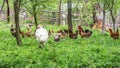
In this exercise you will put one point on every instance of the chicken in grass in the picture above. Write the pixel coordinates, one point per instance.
(22, 33)
(97, 25)
(80, 28)
(41, 35)
(62, 34)
(57, 38)
(114, 35)
(67, 31)
(13, 31)
(50, 32)
(73, 35)
(28, 33)
(84, 33)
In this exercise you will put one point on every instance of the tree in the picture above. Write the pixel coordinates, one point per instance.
(59, 13)
(94, 13)
(69, 17)
(16, 11)
(113, 7)
(34, 7)
(2, 6)
(104, 15)
(8, 11)
(112, 13)
(104, 8)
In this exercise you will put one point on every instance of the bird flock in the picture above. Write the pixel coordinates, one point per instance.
(42, 35)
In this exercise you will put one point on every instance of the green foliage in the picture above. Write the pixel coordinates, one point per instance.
(113, 5)
(98, 51)
(5, 5)
(40, 5)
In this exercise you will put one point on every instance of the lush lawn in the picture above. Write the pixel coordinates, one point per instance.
(98, 51)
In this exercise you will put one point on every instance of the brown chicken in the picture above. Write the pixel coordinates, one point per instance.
(50, 32)
(85, 33)
(73, 35)
(60, 31)
(28, 33)
(13, 31)
(80, 28)
(22, 33)
(67, 31)
(114, 35)
(98, 25)
(61, 34)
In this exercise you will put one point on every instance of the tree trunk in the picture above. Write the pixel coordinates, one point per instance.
(113, 19)
(103, 23)
(20, 1)
(8, 12)
(69, 17)
(94, 14)
(2, 6)
(35, 16)
(59, 22)
(34, 12)
(54, 18)
(16, 11)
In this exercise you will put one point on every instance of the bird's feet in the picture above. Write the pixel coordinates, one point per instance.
(40, 47)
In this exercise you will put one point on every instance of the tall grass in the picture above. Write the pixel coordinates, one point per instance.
(98, 51)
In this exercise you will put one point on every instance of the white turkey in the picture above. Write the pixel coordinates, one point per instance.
(41, 35)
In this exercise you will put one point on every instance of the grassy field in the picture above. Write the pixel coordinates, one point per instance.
(98, 51)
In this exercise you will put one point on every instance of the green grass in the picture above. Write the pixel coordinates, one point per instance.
(98, 51)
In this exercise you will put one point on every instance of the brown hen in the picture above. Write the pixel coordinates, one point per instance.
(114, 35)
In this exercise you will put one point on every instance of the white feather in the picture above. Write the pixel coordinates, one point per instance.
(41, 35)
